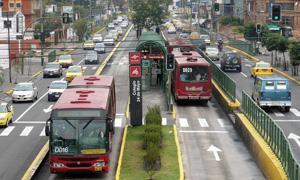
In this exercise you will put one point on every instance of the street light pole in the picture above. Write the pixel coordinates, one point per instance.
(8, 24)
(42, 36)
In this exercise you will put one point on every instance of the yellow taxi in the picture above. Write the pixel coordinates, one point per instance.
(6, 114)
(89, 45)
(65, 60)
(74, 71)
(261, 68)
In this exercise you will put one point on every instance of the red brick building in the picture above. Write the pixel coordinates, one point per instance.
(30, 9)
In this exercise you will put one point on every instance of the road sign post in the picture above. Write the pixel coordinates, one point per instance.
(135, 80)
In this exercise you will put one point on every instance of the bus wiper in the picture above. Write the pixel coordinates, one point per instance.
(87, 123)
(69, 123)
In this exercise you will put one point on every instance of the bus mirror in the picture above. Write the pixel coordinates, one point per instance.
(47, 128)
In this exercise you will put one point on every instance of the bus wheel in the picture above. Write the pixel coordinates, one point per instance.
(287, 108)
(204, 102)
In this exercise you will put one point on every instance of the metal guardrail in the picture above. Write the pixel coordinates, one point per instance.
(272, 134)
(224, 81)
(242, 45)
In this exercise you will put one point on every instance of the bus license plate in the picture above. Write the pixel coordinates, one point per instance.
(98, 168)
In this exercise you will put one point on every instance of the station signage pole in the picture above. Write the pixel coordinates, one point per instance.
(135, 80)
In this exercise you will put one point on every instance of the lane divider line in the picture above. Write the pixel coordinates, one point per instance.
(117, 177)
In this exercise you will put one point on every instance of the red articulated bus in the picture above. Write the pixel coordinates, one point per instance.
(180, 45)
(191, 79)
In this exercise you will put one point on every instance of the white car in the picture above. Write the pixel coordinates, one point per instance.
(171, 30)
(56, 88)
(212, 52)
(97, 38)
(124, 25)
(111, 26)
(109, 40)
(206, 38)
(25, 91)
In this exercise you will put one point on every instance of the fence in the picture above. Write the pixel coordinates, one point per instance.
(272, 134)
(221, 78)
(242, 45)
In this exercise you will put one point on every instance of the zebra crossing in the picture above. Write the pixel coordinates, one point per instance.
(201, 123)
(279, 114)
(37, 129)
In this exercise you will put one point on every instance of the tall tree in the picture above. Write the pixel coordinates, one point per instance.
(294, 51)
(283, 45)
(81, 28)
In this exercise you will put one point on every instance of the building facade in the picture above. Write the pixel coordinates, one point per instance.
(259, 12)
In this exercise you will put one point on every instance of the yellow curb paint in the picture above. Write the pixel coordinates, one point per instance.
(36, 162)
(231, 104)
(267, 160)
(174, 112)
(103, 64)
(117, 177)
(178, 153)
(100, 30)
(256, 60)
(36, 74)
(127, 108)
(9, 92)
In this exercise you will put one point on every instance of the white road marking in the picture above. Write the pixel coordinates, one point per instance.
(286, 120)
(30, 122)
(295, 137)
(121, 63)
(7, 131)
(26, 131)
(118, 122)
(48, 109)
(183, 122)
(215, 151)
(164, 121)
(221, 122)
(207, 131)
(203, 122)
(95, 67)
(244, 74)
(84, 67)
(295, 111)
(120, 114)
(43, 132)
(278, 114)
(248, 65)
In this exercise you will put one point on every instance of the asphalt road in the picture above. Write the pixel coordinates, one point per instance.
(117, 67)
(289, 122)
(211, 147)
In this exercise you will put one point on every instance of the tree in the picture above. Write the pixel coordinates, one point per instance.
(81, 28)
(282, 47)
(294, 51)
(272, 44)
(249, 31)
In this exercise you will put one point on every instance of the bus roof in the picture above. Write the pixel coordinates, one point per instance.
(191, 60)
(179, 43)
(78, 98)
(275, 77)
(189, 53)
(91, 81)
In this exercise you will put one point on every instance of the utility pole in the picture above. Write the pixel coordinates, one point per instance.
(42, 35)
(90, 18)
(8, 24)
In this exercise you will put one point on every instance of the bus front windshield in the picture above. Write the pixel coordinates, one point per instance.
(194, 74)
(71, 137)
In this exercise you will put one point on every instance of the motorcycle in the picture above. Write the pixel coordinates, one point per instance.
(220, 47)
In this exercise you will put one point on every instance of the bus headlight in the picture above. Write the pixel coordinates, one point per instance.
(99, 164)
(58, 165)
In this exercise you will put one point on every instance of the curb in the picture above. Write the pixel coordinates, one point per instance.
(233, 105)
(181, 174)
(36, 162)
(262, 153)
(256, 60)
(117, 177)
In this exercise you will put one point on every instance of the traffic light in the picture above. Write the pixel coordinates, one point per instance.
(276, 12)
(42, 36)
(217, 7)
(258, 28)
(170, 63)
(65, 18)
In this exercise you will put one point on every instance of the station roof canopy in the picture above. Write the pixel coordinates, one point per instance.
(151, 39)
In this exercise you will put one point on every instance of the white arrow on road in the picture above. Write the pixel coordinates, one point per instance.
(48, 109)
(295, 137)
(215, 151)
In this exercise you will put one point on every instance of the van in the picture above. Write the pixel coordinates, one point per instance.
(272, 91)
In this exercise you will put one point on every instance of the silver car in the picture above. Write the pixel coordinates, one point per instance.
(109, 40)
(25, 91)
(91, 58)
(52, 69)
(212, 52)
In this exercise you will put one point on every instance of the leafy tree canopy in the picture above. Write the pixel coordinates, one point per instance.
(294, 51)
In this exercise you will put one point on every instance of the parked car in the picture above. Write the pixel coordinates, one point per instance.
(100, 48)
(97, 38)
(25, 91)
(261, 68)
(88, 45)
(231, 60)
(55, 89)
(52, 69)
(6, 114)
(65, 60)
(272, 91)
(91, 58)
(74, 71)
(109, 40)
(212, 53)
(206, 38)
